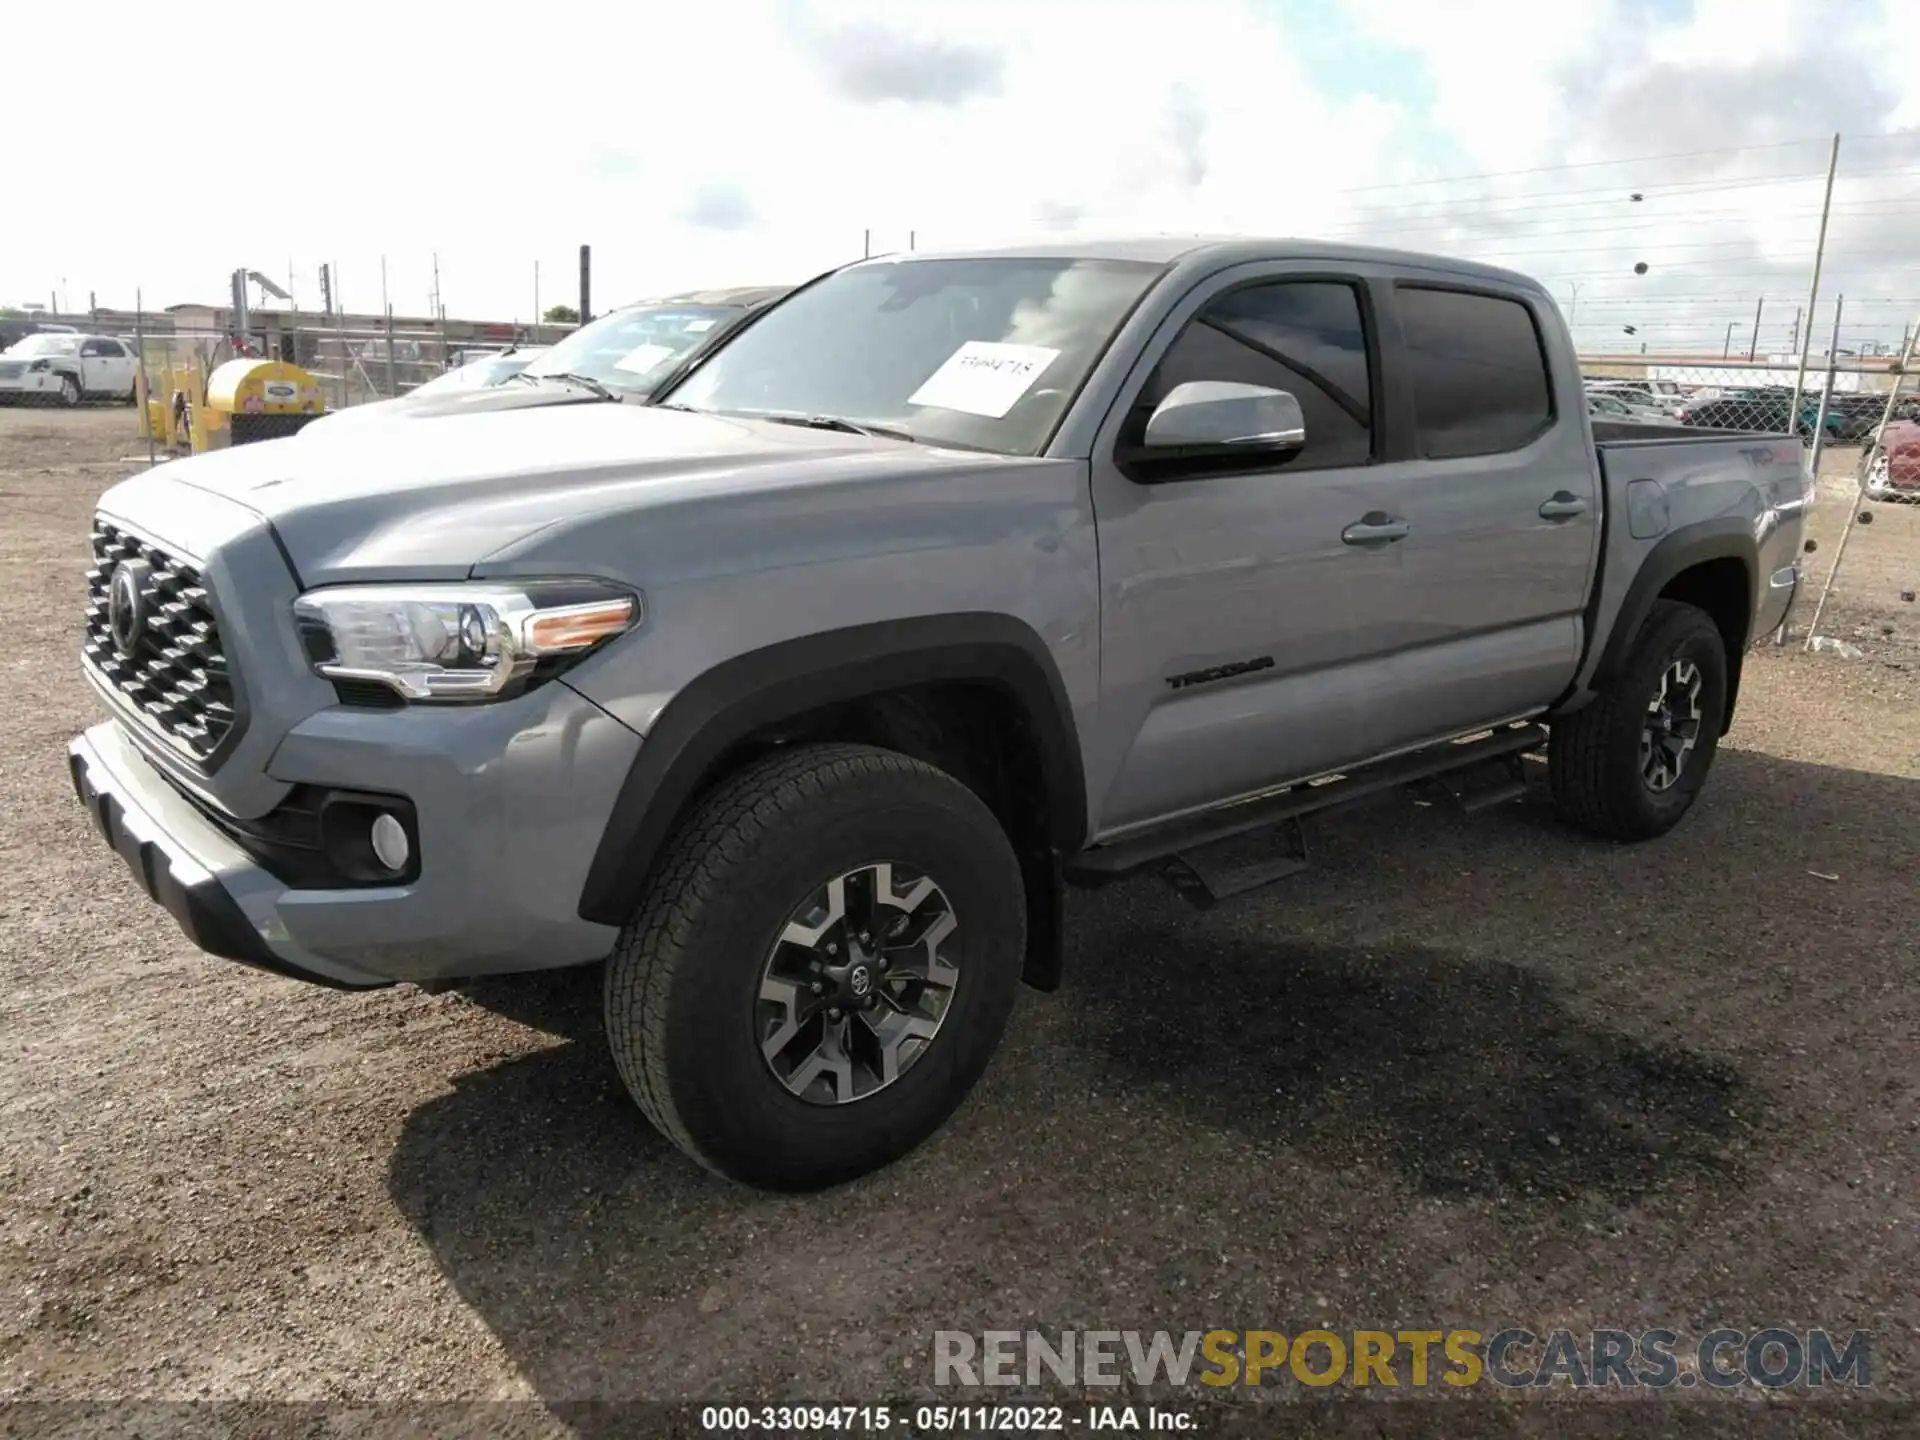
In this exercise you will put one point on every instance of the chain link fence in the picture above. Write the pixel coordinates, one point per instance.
(1862, 604)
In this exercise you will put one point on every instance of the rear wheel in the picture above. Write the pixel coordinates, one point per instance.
(1629, 765)
(820, 967)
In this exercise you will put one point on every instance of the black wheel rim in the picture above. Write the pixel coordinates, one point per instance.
(1672, 727)
(858, 984)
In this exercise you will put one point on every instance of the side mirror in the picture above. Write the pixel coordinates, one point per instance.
(1226, 415)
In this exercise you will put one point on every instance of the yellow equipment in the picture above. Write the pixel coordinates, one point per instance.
(257, 400)
(241, 401)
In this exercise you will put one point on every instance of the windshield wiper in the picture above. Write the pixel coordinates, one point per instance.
(586, 381)
(842, 424)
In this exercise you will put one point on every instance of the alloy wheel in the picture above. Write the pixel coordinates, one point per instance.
(1672, 727)
(857, 984)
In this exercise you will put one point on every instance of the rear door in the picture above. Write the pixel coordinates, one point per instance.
(1501, 505)
(105, 368)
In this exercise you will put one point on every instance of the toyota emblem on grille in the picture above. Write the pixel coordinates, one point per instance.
(127, 604)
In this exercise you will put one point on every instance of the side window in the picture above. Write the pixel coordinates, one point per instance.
(1306, 337)
(94, 347)
(1477, 372)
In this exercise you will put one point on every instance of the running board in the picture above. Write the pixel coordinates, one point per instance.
(1103, 863)
(1509, 776)
(1203, 879)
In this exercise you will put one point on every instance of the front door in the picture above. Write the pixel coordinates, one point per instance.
(1246, 604)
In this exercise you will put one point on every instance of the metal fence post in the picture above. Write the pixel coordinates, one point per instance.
(1826, 395)
(393, 387)
(143, 388)
(340, 338)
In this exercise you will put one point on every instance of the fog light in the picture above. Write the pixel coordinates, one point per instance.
(389, 838)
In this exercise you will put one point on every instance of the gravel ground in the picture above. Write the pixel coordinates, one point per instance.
(1466, 1071)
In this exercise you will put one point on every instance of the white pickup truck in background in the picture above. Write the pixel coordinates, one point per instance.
(66, 369)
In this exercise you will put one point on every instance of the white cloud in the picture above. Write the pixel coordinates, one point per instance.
(749, 141)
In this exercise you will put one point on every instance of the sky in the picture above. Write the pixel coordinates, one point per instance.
(762, 141)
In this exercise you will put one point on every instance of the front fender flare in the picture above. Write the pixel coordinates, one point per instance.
(746, 694)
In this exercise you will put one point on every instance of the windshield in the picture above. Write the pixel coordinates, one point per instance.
(980, 353)
(633, 349)
(47, 345)
(477, 375)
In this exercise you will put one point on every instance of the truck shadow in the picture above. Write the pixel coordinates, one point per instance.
(1467, 1077)
(1557, 1080)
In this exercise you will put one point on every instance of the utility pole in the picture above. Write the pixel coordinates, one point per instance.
(1574, 311)
(1726, 346)
(1819, 255)
(1794, 343)
(384, 306)
(1753, 345)
(911, 234)
(436, 285)
(866, 244)
(536, 295)
(586, 283)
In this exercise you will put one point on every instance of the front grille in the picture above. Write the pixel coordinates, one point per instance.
(175, 677)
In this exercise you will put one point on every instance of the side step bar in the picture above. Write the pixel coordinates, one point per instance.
(1109, 862)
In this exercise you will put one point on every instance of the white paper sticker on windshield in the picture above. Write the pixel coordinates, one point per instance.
(697, 327)
(984, 377)
(644, 358)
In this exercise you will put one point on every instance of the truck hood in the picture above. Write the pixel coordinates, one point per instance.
(428, 502)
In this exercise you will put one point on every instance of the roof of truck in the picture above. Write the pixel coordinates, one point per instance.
(1220, 251)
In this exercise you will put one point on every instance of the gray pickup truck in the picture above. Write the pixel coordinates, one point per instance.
(798, 693)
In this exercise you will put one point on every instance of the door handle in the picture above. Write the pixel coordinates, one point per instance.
(1563, 506)
(1376, 527)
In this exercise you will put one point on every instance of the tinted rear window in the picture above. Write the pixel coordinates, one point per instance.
(1478, 373)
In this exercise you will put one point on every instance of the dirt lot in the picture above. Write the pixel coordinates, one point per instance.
(1467, 1071)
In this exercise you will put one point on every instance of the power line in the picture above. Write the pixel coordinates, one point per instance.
(1583, 165)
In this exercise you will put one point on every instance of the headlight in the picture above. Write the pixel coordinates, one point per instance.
(461, 641)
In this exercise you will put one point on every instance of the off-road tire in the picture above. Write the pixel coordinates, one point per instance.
(681, 982)
(1593, 759)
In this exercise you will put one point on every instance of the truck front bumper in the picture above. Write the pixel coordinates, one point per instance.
(511, 801)
(186, 864)
(37, 386)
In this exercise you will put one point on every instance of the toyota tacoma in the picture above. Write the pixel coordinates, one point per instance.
(797, 692)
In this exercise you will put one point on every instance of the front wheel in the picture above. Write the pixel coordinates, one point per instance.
(1630, 764)
(69, 391)
(820, 966)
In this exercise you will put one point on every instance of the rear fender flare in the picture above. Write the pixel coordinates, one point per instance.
(1725, 538)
